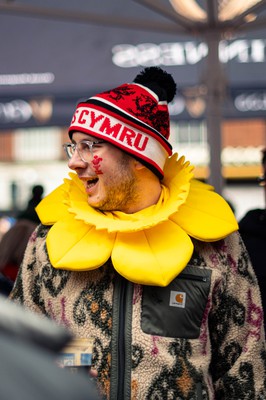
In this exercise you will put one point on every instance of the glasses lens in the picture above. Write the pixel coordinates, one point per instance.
(85, 150)
(68, 147)
(262, 180)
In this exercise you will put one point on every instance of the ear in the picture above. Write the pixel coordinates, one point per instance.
(138, 165)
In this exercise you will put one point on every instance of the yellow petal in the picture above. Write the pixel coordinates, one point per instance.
(147, 258)
(196, 184)
(205, 216)
(53, 207)
(77, 246)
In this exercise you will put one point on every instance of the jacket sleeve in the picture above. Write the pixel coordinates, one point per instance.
(236, 327)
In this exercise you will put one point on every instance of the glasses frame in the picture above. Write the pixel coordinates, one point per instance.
(262, 180)
(75, 146)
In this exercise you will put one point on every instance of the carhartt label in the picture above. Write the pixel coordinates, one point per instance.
(177, 299)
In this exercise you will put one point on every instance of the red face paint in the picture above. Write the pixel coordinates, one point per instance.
(96, 164)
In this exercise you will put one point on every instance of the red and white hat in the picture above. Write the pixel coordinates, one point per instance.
(133, 117)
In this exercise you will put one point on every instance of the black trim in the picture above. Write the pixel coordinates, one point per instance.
(121, 357)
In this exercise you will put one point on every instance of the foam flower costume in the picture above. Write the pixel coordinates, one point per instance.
(149, 247)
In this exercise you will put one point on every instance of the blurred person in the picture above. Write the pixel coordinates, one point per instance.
(12, 247)
(5, 224)
(6, 285)
(29, 213)
(136, 254)
(14, 241)
(30, 346)
(252, 228)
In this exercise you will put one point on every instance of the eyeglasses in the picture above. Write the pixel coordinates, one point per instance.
(85, 148)
(262, 180)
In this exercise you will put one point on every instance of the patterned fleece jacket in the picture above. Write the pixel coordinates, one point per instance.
(200, 337)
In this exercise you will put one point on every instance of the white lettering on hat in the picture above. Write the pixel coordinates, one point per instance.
(105, 125)
(92, 121)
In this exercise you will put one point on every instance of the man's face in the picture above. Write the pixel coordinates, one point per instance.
(109, 177)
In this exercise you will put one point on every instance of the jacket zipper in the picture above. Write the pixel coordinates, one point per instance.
(192, 277)
(121, 341)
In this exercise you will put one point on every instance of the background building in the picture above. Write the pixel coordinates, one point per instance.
(49, 64)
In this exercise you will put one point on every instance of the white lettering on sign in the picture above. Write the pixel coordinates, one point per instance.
(186, 53)
(251, 102)
(27, 79)
(20, 111)
(15, 111)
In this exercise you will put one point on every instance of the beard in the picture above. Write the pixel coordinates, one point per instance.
(120, 188)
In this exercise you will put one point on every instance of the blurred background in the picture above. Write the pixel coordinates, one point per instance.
(55, 53)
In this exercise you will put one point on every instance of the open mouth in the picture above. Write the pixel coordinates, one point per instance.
(91, 183)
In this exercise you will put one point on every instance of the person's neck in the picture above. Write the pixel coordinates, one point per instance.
(149, 194)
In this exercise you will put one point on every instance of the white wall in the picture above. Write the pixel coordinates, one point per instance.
(50, 174)
(244, 198)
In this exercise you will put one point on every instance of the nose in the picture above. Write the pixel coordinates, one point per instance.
(75, 162)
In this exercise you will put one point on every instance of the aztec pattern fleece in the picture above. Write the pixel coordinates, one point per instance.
(199, 338)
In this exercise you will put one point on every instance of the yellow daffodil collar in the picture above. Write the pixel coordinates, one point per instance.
(149, 247)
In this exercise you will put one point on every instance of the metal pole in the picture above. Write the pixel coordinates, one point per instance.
(215, 84)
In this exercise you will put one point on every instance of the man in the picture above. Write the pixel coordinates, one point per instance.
(252, 228)
(29, 213)
(136, 254)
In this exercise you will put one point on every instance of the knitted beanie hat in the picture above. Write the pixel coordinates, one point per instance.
(133, 117)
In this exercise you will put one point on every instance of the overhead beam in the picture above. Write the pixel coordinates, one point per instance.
(257, 24)
(212, 13)
(172, 15)
(90, 18)
(240, 19)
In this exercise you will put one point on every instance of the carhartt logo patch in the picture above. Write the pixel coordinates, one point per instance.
(177, 299)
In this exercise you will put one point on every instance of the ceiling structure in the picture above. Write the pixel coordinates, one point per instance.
(214, 20)
(126, 21)
(175, 16)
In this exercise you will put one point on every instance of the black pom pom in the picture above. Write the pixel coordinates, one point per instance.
(161, 82)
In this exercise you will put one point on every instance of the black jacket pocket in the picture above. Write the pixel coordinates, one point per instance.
(177, 309)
